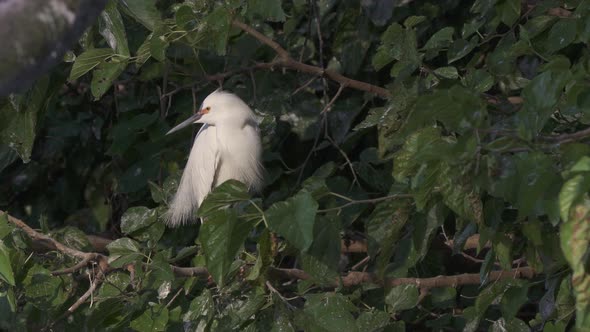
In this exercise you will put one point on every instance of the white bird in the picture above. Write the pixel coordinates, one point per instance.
(226, 147)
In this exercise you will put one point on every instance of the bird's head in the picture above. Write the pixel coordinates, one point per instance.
(219, 108)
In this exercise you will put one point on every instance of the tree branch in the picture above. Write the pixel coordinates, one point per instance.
(568, 138)
(45, 240)
(284, 60)
(354, 278)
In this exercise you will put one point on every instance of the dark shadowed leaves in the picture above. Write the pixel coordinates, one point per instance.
(222, 235)
(294, 219)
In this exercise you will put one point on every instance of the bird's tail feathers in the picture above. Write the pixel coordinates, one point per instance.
(183, 206)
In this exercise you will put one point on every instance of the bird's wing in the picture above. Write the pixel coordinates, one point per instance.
(197, 178)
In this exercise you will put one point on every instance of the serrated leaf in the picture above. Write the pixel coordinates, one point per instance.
(6, 273)
(185, 17)
(331, 312)
(447, 72)
(142, 224)
(413, 21)
(440, 39)
(294, 219)
(512, 300)
(270, 10)
(222, 196)
(18, 119)
(154, 318)
(218, 25)
(44, 290)
(136, 218)
(509, 11)
(123, 246)
(562, 34)
(110, 26)
(374, 117)
(460, 48)
(222, 235)
(88, 60)
(144, 11)
(104, 75)
(402, 297)
(144, 51)
(571, 192)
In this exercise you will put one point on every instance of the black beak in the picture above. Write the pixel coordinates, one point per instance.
(185, 123)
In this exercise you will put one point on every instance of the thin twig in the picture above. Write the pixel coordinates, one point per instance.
(367, 201)
(93, 284)
(328, 107)
(311, 80)
(274, 290)
(361, 263)
(286, 61)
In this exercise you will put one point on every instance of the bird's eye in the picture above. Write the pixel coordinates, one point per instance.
(208, 108)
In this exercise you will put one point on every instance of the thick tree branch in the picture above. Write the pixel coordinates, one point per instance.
(45, 240)
(357, 278)
(284, 60)
(353, 278)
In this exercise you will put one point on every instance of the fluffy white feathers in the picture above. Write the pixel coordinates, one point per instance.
(227, 147)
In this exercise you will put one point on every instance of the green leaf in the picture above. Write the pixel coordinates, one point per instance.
(73, 238)
(575, 240)
(402, 297)
(413, 21)
(143, 11)
(571, 193)
(222, 196)
(447, 72)
(136, 218)
(123, 246)
(509, 11)
(374, 117)
(144, 51)
(321, 260)
(372, 320)
(18, 119)
(460, 48)
(440, 39)
(142, 224)
(202, 307)
(512, 300)
(88, 60)
(5, 227)
(513, 324)
(562, 34)
(538, 24)
(218, 24)
(158, 44)
(6, 273)
(399, 44)
(331, 312)
(222, 235)
(384, 228)
(110, 26)
(264, 259)
(154, 318)
(294, 219)
(44, 290)
(105, 74)
(268, 10)
(185, 17)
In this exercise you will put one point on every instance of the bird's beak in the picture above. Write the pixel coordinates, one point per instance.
(186, 122)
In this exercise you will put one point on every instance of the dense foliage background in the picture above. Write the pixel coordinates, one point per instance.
(445, 188)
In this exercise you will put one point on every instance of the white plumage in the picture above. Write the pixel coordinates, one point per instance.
(226, 147)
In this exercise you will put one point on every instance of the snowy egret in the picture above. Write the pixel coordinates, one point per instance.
(226, 147)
